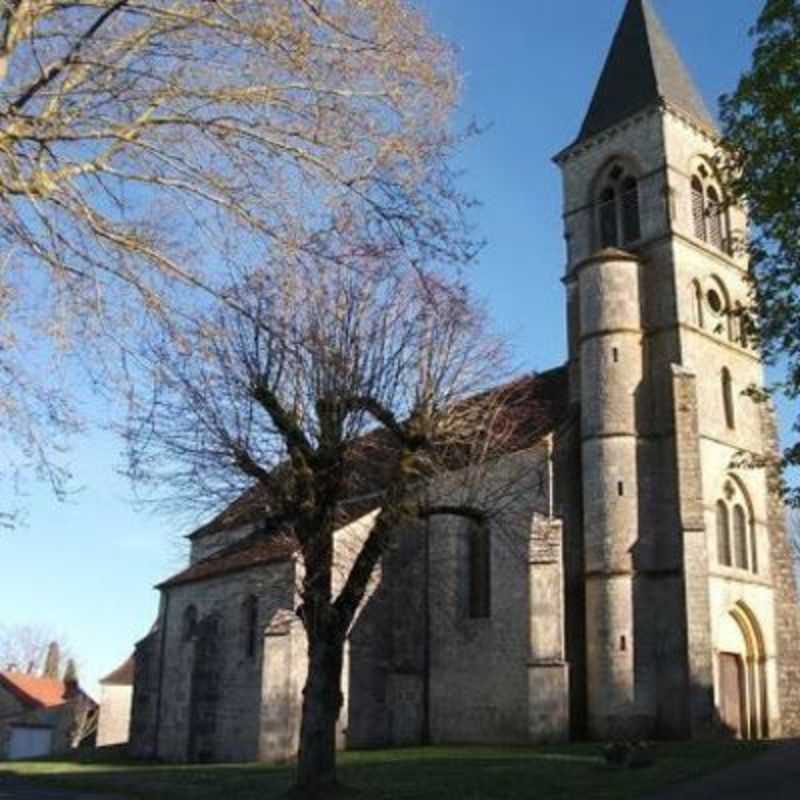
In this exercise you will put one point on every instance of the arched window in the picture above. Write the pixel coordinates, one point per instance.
(619, 219)
(608, 218)
(697, 304)
(698, 209)
(189, 623)
(250, 625)
(631, 226)
(741, 549)
(723, 535)
(736, 525)
(727, 398)
(708, 214)
(715, 228)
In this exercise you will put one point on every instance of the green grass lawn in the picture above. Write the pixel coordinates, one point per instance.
(438, 773)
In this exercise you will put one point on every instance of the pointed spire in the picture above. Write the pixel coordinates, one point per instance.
(642, 68)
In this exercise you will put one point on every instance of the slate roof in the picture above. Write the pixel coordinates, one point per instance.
(34, 691)
(538, 403)
(643, 67)
(254, 551)
(121, 676)
(530, 407)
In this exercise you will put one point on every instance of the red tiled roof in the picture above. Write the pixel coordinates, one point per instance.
(254, 551)
(121, 676)
(33, 691)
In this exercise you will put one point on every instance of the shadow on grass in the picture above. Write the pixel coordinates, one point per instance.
(440, 773)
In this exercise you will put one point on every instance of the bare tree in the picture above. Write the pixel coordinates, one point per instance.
(26, 647)
(148, 145)
(327, 388)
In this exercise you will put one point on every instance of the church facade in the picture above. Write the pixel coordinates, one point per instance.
(642, 586)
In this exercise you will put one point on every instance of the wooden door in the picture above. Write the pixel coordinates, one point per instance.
(731, 683)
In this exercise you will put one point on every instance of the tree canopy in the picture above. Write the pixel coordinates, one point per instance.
(147, 146)
(357, 397)
(761, 125)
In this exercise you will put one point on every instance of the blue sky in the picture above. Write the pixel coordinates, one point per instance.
(86, 568)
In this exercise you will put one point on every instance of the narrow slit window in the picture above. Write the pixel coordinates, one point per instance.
(250, 626)
(189, 623)
(727, 398)
(615, 355)
(621, 489)
(697, 292)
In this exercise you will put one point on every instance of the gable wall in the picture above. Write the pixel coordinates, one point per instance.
(230, 701)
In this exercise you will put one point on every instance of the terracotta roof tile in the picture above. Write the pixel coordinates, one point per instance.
(34, 691)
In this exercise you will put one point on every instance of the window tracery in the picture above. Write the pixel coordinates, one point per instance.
(709, 222)
(619, 218)
(737, 546)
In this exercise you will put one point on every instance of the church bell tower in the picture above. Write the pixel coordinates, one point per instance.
(685, 556)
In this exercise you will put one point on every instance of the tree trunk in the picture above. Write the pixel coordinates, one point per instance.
(322, 702)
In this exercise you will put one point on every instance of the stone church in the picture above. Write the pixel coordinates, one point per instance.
(648, 589)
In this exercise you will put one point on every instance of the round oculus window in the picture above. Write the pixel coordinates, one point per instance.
(714, 301)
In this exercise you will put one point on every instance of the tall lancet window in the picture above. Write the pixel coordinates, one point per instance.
(631, 226)
(608, 218)
(250, 626)
(618, 216)
(480, 571)
(715, 228)
(723, 535)
(708, 212)
(741, 546)
(736, 530)
(698, 209)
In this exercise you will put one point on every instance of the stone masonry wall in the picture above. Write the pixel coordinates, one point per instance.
(479, 666)
(227, 706)
(700, 699)
(787, 611)
(145, 699)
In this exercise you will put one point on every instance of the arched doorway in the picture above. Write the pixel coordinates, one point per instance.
(741, 671)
